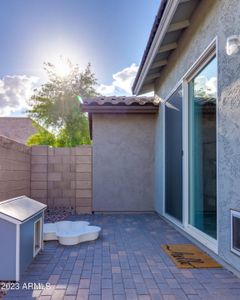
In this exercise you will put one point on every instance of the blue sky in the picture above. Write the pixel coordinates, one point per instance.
(109, 34)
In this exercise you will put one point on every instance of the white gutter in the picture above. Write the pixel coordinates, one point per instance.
(166, 19)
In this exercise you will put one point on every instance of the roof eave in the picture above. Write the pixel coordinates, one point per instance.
(114, 109)
(168, 13)
(118, 109)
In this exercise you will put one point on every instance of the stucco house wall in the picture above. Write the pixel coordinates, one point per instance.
(123, 162)
(212, 19)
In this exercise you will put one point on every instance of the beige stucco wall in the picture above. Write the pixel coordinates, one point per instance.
(15, 161)
(123, 162)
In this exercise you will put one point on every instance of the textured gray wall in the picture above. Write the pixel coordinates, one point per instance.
(216, 18)
(123, 162)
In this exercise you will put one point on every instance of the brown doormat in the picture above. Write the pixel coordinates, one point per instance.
(188, 256)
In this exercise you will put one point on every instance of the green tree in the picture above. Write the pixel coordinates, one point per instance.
(41, 137)
(55, 106)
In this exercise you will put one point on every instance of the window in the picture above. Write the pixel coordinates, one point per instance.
(37, 237)
(202, 149)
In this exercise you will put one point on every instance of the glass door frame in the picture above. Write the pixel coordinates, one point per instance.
(202, 61)
(165, 214)
(205, 58)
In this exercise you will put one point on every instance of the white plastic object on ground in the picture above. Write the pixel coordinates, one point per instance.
(70, 233)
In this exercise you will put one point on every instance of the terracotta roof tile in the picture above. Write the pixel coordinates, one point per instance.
(121, 100)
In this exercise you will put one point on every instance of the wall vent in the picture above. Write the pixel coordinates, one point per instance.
(235, 231)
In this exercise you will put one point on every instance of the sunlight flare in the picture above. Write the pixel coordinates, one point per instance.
(62, 67)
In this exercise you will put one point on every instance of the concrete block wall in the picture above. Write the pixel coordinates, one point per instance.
(83, 159)
(39, 174)
(15, 172)
(58, 177)
(62, 177)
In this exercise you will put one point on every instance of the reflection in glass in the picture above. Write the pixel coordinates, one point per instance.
(202, 142)
(173, 155)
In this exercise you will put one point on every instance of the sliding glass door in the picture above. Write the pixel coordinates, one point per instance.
(173, 155)
(202, 149)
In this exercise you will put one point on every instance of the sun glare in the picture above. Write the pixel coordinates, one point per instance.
(62, 67)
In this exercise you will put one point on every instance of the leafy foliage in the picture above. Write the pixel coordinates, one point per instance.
(56, 106)
(42, 137)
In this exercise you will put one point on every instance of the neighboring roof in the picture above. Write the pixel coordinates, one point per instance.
(20, 208)
(13, 145)
(171, 20)
(17, 128)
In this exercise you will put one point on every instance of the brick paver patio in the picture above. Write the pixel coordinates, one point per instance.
(126, 262)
